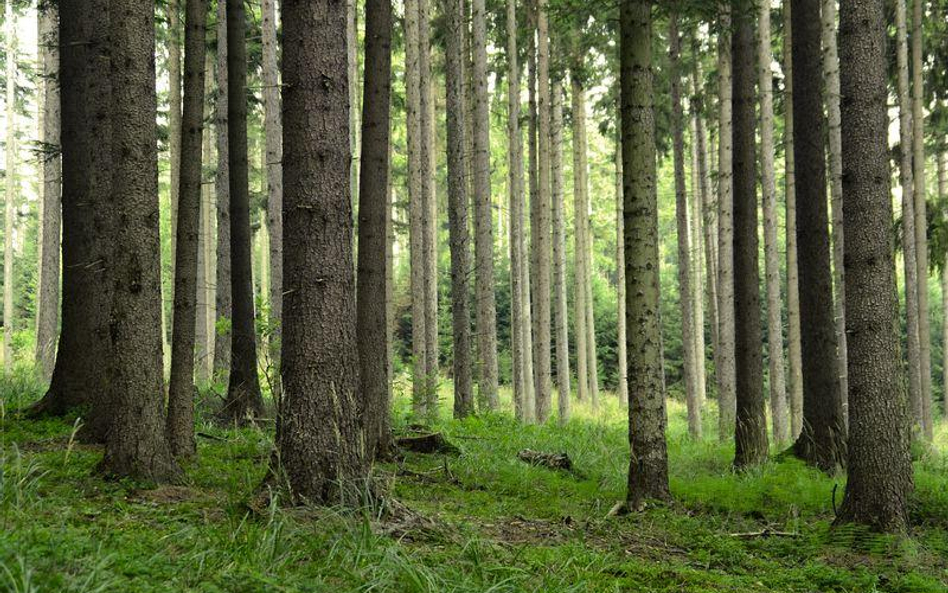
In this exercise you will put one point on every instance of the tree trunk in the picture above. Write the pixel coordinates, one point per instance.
(724, 362)
(458, 208)
(173, 65)
(750, 431)
(684, 241)
(47, 314)
(180, 423)
(880, 468)
(793, 287)
(531, 338)
(352, 67)
(10, 193)
(223, 299)
(579, 251)
(430, 215)
(319, 446)
(648, 467)
(942, 196)
(243, 391)
(921, 219)
(273, 125)
(823, 439)
(203, 322)
(372, 312)
(559, 251)
(135, 445)
(483, 217)
(621, 351)
(778, 389)
(697, 250)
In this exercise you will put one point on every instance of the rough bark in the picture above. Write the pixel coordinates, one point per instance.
(530, 278)
(243, 390)
(822, 441)
(430, 230)
(592, 353)
(47, 313)
(794, 354)
(697, 251)
(621, 351)
(778, 389)
(684, 232)
(483, 219)
(579, 250)
(135, 445)
(561, 311)
(273, 145)
(880, 470)
(180, 421)
(648, 467)
(204, 318)
(173, 66)
(724, 362)
(750, 430)
(458, 208)
(10, 188)
(320, 450)
(223, 301)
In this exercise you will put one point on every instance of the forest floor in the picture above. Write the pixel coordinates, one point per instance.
(478, 519)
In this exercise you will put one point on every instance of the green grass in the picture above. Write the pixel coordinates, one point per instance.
(481, 520)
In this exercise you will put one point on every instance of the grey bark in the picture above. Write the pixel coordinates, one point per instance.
(204, 318)
(173, 65)
(430, 227)
(223, 304)
(561, 311)
(579, 250)
(621, 351)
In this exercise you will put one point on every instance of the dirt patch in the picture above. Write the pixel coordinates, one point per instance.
(60, 443)
(169, 495)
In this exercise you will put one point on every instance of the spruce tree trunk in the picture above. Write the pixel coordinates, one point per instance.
(530, 276)
(10, 192)
(697, 251)
(273, 145)
(942, 196)
(483, 217)
(135, 445)
(430, 213)
(822, 441)
(320, 450)
(47, 313)
(243, 391)
(173, 65)
(794, 354)
(831, 80)
(621, 351)
(778, 389)
(204, 319)
(880, 469)
(458, 208)
(648, 467)
(684, 232)
(750, 431)
(180, 421)
(724, 362)
(561, 311)
(921, 219)
(372, 315)
(579, 251)
(223, 304)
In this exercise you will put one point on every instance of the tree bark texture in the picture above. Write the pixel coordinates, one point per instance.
(223, 299)
(561, 310)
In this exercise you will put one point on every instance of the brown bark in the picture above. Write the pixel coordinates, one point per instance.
(223, 301)
(430, 227)
(579, 250)
(559, 251)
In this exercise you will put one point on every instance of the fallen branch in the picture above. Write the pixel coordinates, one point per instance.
(767, 532)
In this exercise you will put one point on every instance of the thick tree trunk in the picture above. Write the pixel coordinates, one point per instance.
(880, 469)
(822, 441)
(10, 192)
(458, 208)
(47, 306)
(831, 80)
(135, 445)
(794, 354)
(561, 311)
(778, 389)
(750, 431)
(243, 390)
(724, 362)
(648, 467)
(921, 219)
(483, 218)
(180, 422)
(372, 315)
(223, 304)
(621, 351)
(579, 250)
(273, 145)
(320, 450)
(684, 232)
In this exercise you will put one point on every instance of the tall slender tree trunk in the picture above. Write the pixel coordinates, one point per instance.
(243, 391)
(458, 208)
(204, 319)
(724, 362)
(648, 466)
(430, 215)
(135, 445)
(530, 337)
(372, 315)
(880, 468)
(831, 78)
(223, 304)
(559, 251)
(794, 348)
(10, 192)
(173, 65)
(320, 450)
(684, 232)
(47, 313)
(822, 441)
(579, 251)
(778, 388)
(921, 218)
(942, 196)
(621, 350)
(180, 421)
(352, 67)
(273, 146)
(697, 251)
